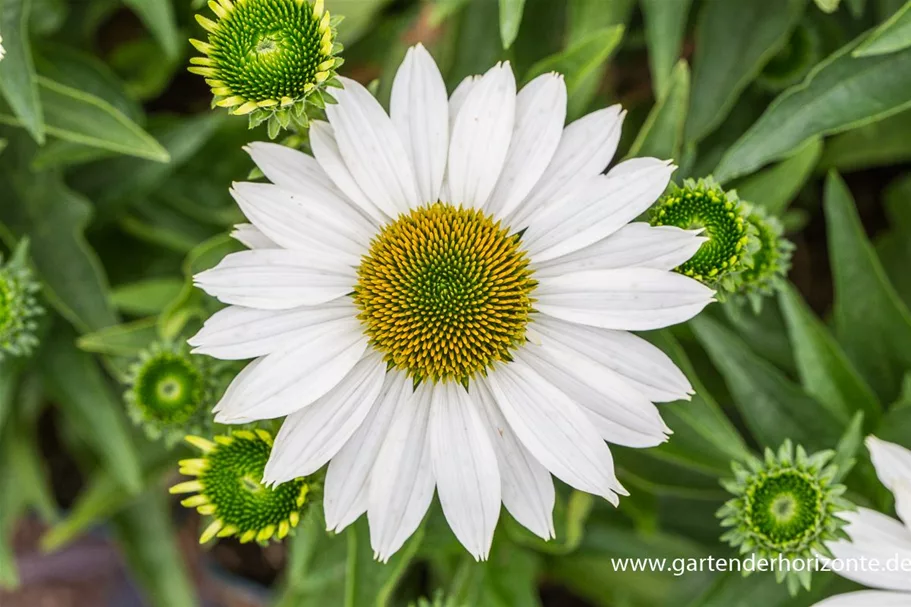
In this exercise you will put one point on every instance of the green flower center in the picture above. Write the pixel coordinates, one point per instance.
(267, 49)
(168, 388)
(444, 292)
(6, 312)
(229, 488)
(19, 308)
(785, 508)
(704, 206)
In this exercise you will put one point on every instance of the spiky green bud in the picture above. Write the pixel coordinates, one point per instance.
(269, 59)
(19, 307)
(787, 506)
(229, 488)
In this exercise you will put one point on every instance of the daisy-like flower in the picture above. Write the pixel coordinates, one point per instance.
(880, 538)
(438, 299)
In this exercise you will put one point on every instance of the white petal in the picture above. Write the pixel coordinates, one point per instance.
(903, 502)
(892, 462)
(641, 364)
(465, 468)
(621, 414)
(326, 152)
(348, 477)
(288, 380)
(636, 245)
(236, 333)
(276, 279)
(873, 536)
(459, 95)
(637, 299)
(251, 237)
(867, 598)
(586, 147)
(312, 436)
(372, 149)
(401, 489)
(420, 113)
(480, 137)
(603, 206)
(291, 169)
(527, 487)
(554, 429)
(540, 113)
(306, 221)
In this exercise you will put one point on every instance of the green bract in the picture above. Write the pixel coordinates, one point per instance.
(785, 506)
(172, 391)
(722, 216)
(269, 59)
(229, 488)
(19, 308)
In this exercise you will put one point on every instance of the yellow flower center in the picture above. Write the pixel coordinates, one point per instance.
(444, 292)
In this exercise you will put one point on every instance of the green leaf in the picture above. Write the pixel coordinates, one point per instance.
(871, 322)
(81, 117)
(581, 59)
(662, 134)
(896, 424)
(368, 582)
(121, 340)
(9, 380)
(893, 35)
(775, 187)
(848, 447)
(17, 70)
(853, 91)
(583, 17)
(158, 16)
(54, 218)
(894, 247)
(146, 297)
(510, 20)
(882, 143)
(317, 565)
(147, 539)
(772, 406)
(87, 402)
(665, 25)
(734, 40)
(825, 371)
(570, 516)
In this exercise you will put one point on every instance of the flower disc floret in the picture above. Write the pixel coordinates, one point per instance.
(268, 58)
(445, 292)
(785, 506)
(705, 205)
(19, 307)
(229, 488)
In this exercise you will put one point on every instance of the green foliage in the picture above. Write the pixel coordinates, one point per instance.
(114, 178)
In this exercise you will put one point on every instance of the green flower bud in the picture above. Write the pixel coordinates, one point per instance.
(785, 506)
(19, 307)
(228, 488)
(269, 59)
(171, 391)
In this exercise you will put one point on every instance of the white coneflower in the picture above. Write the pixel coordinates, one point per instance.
(880, 538)
(439, 299)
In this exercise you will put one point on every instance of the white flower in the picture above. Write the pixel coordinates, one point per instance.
(360, 285)
(880, 538)
(2, 50)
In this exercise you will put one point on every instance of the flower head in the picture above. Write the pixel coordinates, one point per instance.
(770, 261)
(269, 59)
(170, 391)
(229, 488)
(787, 505)
(439, 299)
(19, 308)
(722, 218)
(877, 537)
